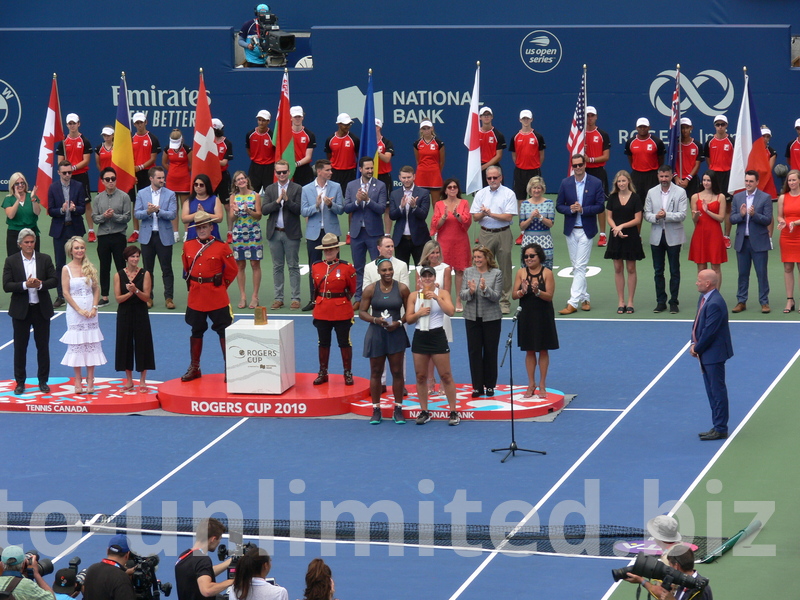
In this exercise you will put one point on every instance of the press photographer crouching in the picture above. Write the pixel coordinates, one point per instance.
(250, 581)
(678, 581)
(109, 579)
(22, 575)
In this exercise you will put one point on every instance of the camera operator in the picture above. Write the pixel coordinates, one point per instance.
(681, 558)
(195, 576)
(14, 563)
(252, 33)
(65, 585)
(109, 579)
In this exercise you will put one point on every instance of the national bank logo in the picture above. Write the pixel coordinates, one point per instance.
(540, 51)
(710, 91)
(10, 110)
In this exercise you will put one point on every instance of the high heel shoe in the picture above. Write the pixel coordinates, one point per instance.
(786, 311)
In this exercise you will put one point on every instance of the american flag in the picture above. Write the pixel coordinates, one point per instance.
(674, 156)
(576, 142)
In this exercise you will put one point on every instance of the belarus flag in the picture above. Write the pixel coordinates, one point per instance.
(283, 139)
(53, 132)
(472, 139)
(750, 152)
(205, 158)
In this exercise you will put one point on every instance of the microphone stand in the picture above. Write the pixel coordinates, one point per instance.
(512, 449)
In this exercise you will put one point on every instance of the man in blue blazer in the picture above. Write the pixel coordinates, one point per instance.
(156, 207)
(321, 204)
(408, 208)
(751, 211)
(580, 199)
(365, 202)
(711, 344)
(66, 204)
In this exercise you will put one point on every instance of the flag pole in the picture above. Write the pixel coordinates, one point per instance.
(680, 141)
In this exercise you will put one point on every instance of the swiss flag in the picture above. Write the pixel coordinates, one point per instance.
(204, 152)
(53, 131)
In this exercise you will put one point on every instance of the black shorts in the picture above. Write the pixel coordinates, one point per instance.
(433, 341)
(521, 179)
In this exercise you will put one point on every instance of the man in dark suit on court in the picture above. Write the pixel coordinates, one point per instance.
(66, 204)
(408, 208)
(365, 200)
(711, 344)
(751, 211)
(282, 202)
(27, 276)
(580, 199)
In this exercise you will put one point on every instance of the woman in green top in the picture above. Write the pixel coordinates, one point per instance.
(22, 210)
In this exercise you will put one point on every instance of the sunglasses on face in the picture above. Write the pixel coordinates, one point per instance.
(199, 184)
(109, 179)
(527, 256)
(490, 178)
(281, 172)
(65, 172)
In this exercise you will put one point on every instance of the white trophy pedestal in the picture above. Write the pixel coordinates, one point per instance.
(260, 358)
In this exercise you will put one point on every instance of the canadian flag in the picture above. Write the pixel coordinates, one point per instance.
(204, 151)
(472, 139)
(53, 132)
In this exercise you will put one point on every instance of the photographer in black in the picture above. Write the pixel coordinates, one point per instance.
(195, 575)
(65, 585)
(109, 579)
(13, 567)
(681, 558)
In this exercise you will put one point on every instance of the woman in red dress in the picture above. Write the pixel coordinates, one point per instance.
(429, 154)
(177, 163)
(450, 224)
(789, 226)
(708, 212)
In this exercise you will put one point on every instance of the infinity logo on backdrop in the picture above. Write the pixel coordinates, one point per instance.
(10, 110)
(540, 51)
(691, 92)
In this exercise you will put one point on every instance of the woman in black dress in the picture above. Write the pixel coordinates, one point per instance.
(535, 286)
(132, 287)
(624, 215)
(386, 337)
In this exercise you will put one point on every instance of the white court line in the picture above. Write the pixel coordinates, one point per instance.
(202, 450)
(597, 409)
(569, 472)
(722, 449)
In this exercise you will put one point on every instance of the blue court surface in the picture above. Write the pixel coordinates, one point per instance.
(624, 450)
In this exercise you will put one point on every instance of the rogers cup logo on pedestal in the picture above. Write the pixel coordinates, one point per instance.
(540, 51)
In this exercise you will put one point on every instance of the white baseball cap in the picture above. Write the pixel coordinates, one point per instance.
(217, 124)
(722, 118)
(73, 118)
(378, 122)
(797, 124)
(686, 121)
(107, 131)
(642, 121)
(485, 109)
(766, 131)
(296, 111)
(525, 114)
(591, 110)
(344, 119)
(139, 116)
(425, 123)
(264, 114)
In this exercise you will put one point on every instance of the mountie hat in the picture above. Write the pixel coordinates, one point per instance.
(330, 240)
(664, 528)
(13, 556)
(201, 217)
(65, 582)
(119, 543)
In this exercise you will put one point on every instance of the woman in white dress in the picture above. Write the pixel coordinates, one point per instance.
(83, 335)
(432, 257)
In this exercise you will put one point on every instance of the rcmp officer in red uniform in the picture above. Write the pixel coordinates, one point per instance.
(334, 285)
(209, 268)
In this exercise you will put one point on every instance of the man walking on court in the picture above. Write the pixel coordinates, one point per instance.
(711, 345)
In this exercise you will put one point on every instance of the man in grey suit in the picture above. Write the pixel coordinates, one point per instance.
(156, 207)
(29, 276)
(751, 212)
(282, 201)
(321, 204)
(665, 208)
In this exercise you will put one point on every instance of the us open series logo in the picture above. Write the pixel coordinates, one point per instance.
(540, 51)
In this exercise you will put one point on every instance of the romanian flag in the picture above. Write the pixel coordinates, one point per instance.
(122, 153)
(472, 139)
(53, 132)
(750, 152)
(369, 136)
(283, 139)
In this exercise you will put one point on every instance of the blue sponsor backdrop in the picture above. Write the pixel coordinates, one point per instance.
(421, 72)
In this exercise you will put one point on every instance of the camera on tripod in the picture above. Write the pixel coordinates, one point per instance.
(146, 585)
(651, 568)
(238, 550)
(273, 43)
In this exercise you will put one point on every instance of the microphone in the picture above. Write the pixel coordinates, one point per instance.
(516, 314)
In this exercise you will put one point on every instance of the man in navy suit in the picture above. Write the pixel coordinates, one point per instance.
(156, 207)
(408, 207)
(321, 204)
(751, 211)
(365, 201)
(66, 204)
(29, 276)
(580, 199)
(711, 344)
